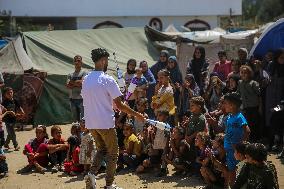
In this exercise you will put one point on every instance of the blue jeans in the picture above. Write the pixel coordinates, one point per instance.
(77, 109)
(11, 135)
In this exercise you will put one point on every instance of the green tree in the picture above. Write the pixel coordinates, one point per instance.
(262, 11)
(270, 9)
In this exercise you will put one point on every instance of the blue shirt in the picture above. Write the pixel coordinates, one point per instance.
(234, 131)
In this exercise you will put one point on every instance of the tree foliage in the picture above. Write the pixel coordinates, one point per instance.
(262, 11)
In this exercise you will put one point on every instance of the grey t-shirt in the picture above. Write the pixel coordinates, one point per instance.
(250, 93)
(75, 93)
(1, 81)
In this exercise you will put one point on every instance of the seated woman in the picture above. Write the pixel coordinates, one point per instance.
(36, 151)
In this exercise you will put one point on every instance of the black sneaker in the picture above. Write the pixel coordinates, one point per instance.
(25, 169)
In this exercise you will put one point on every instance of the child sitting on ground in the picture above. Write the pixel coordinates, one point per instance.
(179, 151)
(213, 173)
(72, 165)
(257, 172)
(154, 155)
(57, 148)
(132, 148)
(36, 151)
(87, 148)
(202, 142)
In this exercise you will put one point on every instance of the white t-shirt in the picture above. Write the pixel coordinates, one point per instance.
(98, 91)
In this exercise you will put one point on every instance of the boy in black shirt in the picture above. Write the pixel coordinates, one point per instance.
(14, 111)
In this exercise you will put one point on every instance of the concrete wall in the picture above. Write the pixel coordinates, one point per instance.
(102, 8)
(177, 21)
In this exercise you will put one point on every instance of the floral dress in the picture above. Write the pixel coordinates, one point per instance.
(86, 139)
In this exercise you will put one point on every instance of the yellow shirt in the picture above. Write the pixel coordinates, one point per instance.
(165, 100)
(137, 148)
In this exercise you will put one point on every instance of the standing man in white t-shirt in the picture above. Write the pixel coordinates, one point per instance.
(99, 92)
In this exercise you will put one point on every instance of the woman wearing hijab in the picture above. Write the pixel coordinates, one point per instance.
(161, 64)
(198, 64)
(175, 77)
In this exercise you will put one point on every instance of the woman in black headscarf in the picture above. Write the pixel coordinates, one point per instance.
(198, 65)
(175, 76)
(161, 64)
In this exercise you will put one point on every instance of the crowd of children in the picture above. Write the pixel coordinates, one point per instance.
(215, 121)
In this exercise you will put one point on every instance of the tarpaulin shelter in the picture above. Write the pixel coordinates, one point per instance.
(272, 38)
(20, 73)
(53, 52)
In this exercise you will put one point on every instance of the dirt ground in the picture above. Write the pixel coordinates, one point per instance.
(16, 160)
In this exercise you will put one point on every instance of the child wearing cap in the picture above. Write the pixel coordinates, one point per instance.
(236, 131)
(131, 153)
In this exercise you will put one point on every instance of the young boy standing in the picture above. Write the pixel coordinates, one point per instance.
(14, 110)
(236, 131)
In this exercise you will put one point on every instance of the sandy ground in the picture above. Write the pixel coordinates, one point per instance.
(16, 160)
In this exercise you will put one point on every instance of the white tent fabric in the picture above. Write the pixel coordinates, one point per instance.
(14, 59)
(240, 35)
(203, 36)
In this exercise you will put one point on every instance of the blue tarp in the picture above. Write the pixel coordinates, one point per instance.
(271, 39)
(3, 43)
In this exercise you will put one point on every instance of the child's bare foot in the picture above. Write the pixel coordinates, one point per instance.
(40, 169)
